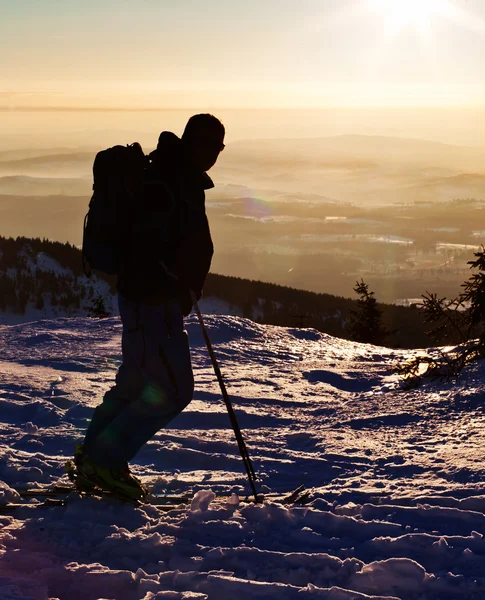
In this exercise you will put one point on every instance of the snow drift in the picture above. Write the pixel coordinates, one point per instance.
(397, 509)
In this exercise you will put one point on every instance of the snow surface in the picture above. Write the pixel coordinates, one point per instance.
(397, 508)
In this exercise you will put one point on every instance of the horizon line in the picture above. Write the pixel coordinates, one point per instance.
(66, 108)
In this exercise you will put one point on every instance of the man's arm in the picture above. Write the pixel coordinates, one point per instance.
(194, 257)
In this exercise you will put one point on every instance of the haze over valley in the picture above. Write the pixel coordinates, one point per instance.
(316, 213)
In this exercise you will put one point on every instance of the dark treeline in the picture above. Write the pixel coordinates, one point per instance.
(279, 305)
(21, 282)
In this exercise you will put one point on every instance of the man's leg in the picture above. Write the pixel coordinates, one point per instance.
(129, 379)
(166, 389)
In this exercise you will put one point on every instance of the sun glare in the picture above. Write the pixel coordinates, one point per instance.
(400, 14)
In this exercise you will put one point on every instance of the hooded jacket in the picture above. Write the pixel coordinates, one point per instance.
(170, 247)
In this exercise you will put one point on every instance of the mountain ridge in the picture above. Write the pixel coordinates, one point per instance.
(34, 284)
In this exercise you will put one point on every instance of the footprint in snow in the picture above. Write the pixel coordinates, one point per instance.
(340, 382)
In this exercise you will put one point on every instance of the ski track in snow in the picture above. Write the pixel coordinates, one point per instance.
(397, 509)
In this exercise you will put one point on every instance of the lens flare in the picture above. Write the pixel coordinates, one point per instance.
(257, 207)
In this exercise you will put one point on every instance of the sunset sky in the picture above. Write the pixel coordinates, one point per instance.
(256, 53)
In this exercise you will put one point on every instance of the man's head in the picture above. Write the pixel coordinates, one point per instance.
(203, 140)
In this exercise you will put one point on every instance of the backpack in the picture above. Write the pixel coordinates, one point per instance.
(118, 174)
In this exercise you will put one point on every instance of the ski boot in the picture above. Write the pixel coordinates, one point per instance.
(89, 477)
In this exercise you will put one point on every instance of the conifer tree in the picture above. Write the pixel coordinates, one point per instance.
(97, 309)
(366, 321)
(462, 320)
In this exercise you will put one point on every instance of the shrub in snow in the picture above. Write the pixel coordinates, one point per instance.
(462, 320)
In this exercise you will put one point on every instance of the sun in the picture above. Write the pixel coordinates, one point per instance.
(417, 14)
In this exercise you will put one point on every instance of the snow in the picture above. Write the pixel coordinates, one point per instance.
(397, 505)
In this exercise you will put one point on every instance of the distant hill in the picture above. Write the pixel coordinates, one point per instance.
(30, 152)
(47, 159)
(365, 170)
(63, 164)
(366, 148)
(464, 185)
(44, 279)
(23, 185)
(52, 216)
(463, 179)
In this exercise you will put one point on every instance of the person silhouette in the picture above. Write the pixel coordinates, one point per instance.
(168, 256)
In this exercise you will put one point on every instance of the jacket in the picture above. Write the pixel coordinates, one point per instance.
(170, 248)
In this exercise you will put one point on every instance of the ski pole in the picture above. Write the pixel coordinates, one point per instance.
(232, 416)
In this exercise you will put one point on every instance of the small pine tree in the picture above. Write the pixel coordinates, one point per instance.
(473, 297)
(97, 308)
(366, 322)
(460, 321)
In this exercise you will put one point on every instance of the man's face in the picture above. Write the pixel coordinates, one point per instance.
(205, 147)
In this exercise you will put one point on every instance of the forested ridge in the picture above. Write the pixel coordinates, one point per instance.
(36, 273)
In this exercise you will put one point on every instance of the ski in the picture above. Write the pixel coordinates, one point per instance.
(58, 491)
(47, 503)
(299, 496)
(12, 507)
(55, 490)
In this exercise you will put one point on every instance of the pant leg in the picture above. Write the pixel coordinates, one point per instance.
(167, 386)
(129, 379)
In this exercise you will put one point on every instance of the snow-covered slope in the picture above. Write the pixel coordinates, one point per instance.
(397, 510)
(37, 286)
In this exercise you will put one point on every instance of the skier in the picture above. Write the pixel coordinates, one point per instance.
(170, 252)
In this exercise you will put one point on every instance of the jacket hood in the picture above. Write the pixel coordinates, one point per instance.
(170, 154)
(169, 144)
